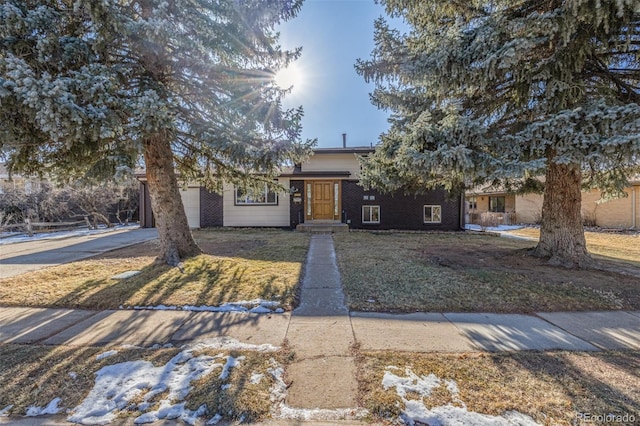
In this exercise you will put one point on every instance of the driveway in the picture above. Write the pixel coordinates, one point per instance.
(20, 257)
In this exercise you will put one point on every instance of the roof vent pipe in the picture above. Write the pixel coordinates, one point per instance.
(344, 140)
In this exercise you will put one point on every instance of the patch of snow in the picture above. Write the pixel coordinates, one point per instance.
(51, 408)
(125, 275)
(260, 310)
(415, 410)
(423, 385)
(172, 412)
(73, 375)
(5, 411)
(130, 346)
(214, 420)
(106, 355)
(450, 415)
(231, 363)
(165, 308)
(22, 237)
(473, 227)
(116, 385)
(230, 344)
(257, 306)
(256, 378)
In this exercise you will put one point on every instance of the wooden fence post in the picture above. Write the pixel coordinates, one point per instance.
(27, 221)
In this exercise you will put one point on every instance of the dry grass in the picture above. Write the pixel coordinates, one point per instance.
(604, 245)
(459, 272)
(238, 265)
(550, 387)
(32, 375)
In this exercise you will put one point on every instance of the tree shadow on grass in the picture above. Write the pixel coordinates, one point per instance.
(109, 293)
(575, 375)
(203, 280)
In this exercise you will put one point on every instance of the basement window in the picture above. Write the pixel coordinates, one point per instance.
(370, 214)
(432, 214)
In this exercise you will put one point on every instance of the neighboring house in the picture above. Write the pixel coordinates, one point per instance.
(323, 190)
(507, 208)
(17, 182)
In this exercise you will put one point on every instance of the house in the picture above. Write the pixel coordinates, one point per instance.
(323, 190)
(501, 207)
(17, 182)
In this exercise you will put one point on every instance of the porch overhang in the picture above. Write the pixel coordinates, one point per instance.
(317, 174)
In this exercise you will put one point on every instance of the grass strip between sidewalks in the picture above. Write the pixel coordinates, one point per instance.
(554, 388)
(33, 375)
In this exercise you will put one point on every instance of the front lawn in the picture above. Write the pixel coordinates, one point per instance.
(238, 265)
(461, 272)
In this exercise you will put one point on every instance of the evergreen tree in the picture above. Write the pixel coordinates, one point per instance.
(87, 87)
(504, 91)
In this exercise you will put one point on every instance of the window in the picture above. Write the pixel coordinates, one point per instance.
(496, 204)
(473, 203)
(252, 197)
(370, 214)
(432, 214)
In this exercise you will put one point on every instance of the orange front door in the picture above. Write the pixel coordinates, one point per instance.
(322, 205)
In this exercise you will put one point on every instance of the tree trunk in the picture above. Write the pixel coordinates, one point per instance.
(561, 233)
(176, 241)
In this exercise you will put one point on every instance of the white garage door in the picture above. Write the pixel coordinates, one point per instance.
(191, 201)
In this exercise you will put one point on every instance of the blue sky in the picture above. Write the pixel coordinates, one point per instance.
(333, 35)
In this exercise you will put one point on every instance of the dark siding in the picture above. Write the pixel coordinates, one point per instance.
(399, 211)
(210, 209)
(296, 210)
(147, 220)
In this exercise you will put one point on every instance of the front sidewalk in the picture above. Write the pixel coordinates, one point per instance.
(417, 332)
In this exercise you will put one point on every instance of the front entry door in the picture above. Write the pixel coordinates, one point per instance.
(322, 206)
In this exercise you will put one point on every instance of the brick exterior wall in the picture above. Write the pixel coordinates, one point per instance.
(296, 210)
(399, 211)
(210, 209)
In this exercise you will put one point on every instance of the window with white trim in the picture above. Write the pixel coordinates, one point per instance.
(370, 214)
(259, 197)
(432, 214)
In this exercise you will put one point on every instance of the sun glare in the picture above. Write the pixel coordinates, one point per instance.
(289, 77)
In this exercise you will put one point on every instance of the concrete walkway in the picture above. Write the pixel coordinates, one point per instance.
(323, 333)
(323, 374)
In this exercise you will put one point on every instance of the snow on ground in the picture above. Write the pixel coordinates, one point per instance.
(416, 411)
(117, 385)
(472, 227)
(12, 238)
(256, 306)
(105, 355)
(51, 408)
(229, 344)
(5, 411)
